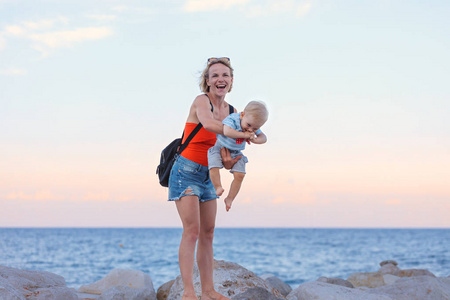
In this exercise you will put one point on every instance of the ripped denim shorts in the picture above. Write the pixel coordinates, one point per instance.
(189, 178)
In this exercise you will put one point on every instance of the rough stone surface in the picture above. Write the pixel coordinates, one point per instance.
(255, 293)
(390, 279)
(380, 278)
(337, 281)
(230, 279)
(84, 296)
(33, 285)
(163, 290)
(371, 280)
(119, 277)
(389, 261)
(324, 291)
(414, 272)
(389, 269)
(127, 293)
(276, 283)
(416, 288)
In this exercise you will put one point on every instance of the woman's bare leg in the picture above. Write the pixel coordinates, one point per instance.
(234, 189)
(205, 253)
(188, 209)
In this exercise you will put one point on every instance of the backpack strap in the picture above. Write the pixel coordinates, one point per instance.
(189, 138)
(198, 127)
(231, 108)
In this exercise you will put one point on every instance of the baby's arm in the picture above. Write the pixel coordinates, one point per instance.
(234, 134)
(260, 138)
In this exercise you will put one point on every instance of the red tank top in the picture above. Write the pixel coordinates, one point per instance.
(197, 150)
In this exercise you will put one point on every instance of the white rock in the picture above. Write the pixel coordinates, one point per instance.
(274, 282)
(7, 291)
(324, 291)
(119, 277)
(338, 281)
(390, 279)
(84, 296)
(416, 288)
(371, 280)
(389, 261)
(127, 293)
(254, 293)
(389, 269)
(163, 291)
(230, 279)
(33, 285)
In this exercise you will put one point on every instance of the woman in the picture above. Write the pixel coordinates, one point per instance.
(189, 183)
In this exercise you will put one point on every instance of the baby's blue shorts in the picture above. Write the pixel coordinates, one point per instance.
(215, 159)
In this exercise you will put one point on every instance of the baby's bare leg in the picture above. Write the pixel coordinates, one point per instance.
(214, 174)
(234, 189)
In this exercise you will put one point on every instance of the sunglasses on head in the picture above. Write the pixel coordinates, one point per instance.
(212, 60)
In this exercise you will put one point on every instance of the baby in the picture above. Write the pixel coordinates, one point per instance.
(238, 128)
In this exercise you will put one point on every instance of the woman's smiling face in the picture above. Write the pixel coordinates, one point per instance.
(219, 80)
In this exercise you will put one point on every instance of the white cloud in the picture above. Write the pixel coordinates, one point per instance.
(303, 9)
(102, 17)
(13, 72)
(67, 38)
(45, 38)
(42, 195)
(45, 24)
(274, 7)
(134, 10)
(14, 30)
(120, 8)
(208, 5)
(2, 42)
(252, 8)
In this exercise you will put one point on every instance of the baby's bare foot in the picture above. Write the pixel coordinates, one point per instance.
(219, 191)
(228, 202)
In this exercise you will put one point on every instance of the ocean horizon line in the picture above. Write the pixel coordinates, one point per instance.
(224, 227)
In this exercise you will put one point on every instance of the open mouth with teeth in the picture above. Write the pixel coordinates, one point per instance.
(221, 86)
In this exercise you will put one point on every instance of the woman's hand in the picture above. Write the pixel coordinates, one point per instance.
(227, 161)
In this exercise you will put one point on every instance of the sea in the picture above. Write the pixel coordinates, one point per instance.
(295, 255)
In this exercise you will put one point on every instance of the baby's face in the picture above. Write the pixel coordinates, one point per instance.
(249, 123)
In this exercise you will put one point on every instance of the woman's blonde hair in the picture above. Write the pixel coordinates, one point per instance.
(204, 87)
(258, 110)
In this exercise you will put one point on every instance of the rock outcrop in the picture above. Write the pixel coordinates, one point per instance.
(16, 284)
(388, 283)
(230, 279)
(276, 283)
(318, 290)
(234, 281)
(122, 284)
(389, 273)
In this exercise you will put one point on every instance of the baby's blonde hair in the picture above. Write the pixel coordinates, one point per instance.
(258, 110)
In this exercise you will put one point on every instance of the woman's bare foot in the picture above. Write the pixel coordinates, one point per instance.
(214, 296)
(189, 297)
(228, 202)
(219, 191)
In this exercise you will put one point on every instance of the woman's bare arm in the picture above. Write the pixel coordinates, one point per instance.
(204, 115)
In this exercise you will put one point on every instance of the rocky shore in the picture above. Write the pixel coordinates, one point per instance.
(234, 281)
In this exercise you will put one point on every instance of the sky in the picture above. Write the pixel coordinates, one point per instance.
(358, 94)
